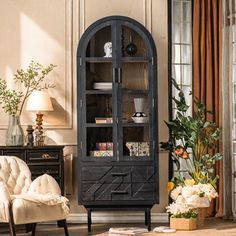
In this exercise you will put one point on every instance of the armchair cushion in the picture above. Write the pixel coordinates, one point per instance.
(45, 184)
(29, 208)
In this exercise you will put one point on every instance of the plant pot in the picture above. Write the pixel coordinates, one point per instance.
(202, 212)
(15, 134)
(183, 223)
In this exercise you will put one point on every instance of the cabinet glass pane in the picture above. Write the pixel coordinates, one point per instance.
(99, 76)
(132, 43)
(136, 141)
(135, 76)
(99, 108)
(135, 108)
(95, 46)
(99, 142)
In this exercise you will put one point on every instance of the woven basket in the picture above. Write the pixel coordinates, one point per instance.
(183, 223)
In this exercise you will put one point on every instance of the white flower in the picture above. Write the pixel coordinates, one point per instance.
(208, 191)
(176, 192)
(178, 208)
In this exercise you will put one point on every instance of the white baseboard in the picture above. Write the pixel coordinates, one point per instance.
(117, 217)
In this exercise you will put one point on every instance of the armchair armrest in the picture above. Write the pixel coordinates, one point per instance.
(4, 193)
(45, 184)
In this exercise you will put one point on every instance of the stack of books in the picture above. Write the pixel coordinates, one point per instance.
(103, 120)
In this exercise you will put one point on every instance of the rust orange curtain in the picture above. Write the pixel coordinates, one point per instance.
(207, 64)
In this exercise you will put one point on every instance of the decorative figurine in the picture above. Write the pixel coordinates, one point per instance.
(108, 49)
(131, 48)
(30, 136)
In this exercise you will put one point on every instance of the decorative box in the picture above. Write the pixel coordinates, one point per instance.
(96, 153)
(143, 149)
(133, 148)
(183, 223)
(138, 148)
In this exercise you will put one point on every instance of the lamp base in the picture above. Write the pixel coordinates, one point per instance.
(39, 138)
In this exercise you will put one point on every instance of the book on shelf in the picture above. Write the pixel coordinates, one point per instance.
(104, 146)
(99, 153)
(103, 120)
(128, 230)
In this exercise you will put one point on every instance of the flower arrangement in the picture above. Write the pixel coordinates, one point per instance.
(192, 194)
(188, 197)
(181, 210)
(32, 78)
(193, 139)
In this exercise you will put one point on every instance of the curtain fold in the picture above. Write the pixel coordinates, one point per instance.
(207, 64)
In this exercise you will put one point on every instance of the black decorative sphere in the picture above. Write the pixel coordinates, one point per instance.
(131, 49)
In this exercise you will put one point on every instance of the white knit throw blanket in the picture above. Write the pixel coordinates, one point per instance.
(47, 199)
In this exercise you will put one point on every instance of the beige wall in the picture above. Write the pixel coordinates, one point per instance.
(48, 31)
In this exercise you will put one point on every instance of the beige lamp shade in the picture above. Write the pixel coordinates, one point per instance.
(39, 101)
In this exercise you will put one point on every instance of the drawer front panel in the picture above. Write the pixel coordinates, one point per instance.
(124, 174)
(42, 169)
(17, 153)
(118, 192)
(42, 156)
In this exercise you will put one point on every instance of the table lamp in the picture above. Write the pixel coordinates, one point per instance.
(39, 101)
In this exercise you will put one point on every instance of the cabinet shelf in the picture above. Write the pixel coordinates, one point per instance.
(94, 91)
(99, 125)
(135, 59)
(98, 59)
(135, 91)
(135, 124)
(123, 59)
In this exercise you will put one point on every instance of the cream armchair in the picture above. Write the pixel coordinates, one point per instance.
(25, 202)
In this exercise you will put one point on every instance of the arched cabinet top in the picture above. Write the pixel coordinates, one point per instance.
(120, 30)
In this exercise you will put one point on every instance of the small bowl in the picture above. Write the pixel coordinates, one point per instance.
(140, 119)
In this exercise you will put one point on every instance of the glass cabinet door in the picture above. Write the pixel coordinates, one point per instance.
(134, 94)
(98, 98)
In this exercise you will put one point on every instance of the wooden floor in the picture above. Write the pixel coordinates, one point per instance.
(213, 227)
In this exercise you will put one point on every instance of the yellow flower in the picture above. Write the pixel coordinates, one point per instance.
(189, 182)
(170, 186)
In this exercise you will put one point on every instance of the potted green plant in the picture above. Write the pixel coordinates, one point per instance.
(12, 101)
(193, 139)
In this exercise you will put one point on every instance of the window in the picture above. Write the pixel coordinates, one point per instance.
(181, 51)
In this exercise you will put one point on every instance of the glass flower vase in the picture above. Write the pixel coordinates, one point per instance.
(15, 134)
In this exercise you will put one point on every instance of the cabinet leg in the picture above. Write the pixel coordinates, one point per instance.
(148, 217)
(89, 219)
(145, 217)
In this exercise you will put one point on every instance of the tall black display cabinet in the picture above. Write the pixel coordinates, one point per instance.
(117, 117)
